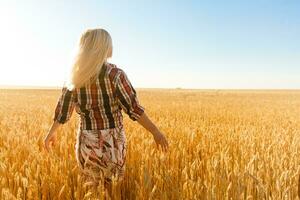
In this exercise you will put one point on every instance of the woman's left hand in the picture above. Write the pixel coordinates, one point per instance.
(49, 139)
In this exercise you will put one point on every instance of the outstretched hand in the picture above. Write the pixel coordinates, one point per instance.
(50, 139)
(161, 141)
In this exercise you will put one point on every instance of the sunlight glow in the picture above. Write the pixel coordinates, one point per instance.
(25, 58)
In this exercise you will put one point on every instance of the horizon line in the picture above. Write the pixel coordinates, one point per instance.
(158, 88)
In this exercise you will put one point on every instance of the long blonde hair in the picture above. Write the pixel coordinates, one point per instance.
(95, 46)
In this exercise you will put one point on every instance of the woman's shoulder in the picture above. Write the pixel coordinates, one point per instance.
(113, 66)
(114, 70)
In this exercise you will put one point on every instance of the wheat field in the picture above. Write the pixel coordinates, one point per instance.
(223, 144)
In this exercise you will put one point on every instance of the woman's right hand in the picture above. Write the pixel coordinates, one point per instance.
(159, 138)
(161, 141)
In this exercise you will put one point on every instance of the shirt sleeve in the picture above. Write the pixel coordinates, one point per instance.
(65, 106)
(127, 97)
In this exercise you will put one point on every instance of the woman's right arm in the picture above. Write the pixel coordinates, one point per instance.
(150, 126)
(128, 100)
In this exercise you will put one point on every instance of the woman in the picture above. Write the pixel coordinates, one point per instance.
(99, 90)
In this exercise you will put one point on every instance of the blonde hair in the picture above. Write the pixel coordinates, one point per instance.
(95, 46)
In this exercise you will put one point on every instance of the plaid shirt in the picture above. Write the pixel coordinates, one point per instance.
(99, 104)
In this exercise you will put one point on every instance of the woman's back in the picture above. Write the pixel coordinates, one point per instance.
(99, 104)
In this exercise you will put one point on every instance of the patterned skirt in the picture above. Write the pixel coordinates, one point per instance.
(101, 154)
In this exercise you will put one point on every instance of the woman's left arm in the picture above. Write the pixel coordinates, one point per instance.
(63, 113)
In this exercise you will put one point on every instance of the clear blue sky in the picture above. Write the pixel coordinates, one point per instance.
(159, 44)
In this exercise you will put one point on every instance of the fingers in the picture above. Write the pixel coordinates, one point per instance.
(53, 140)
(47, 142)
(163, 147)
(161, 142)
(157, 144)
(164, 144)
(46, 145)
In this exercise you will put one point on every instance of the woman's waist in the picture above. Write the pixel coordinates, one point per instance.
(95, 114)
(96, 134)
(118, 126)
(102, 120)
(97, 126)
